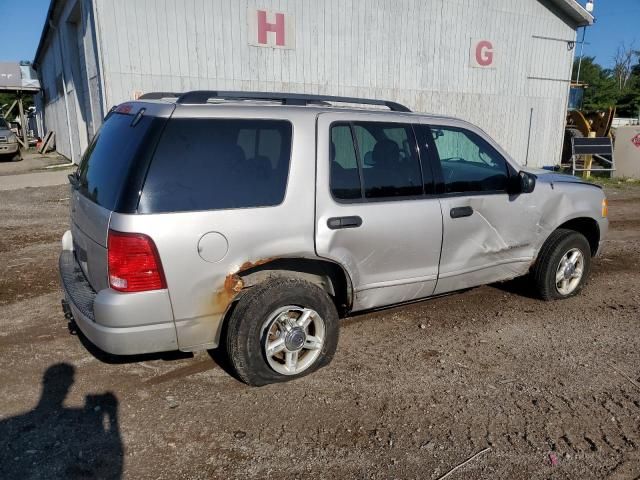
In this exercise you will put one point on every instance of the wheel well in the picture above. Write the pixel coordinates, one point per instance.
(329, 276)
(587, 227)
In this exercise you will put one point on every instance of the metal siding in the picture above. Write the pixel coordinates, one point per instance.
(413, 51)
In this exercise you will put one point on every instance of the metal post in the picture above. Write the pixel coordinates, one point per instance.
(526, 158)
(23, 122)
(588, 160)
(584, 33)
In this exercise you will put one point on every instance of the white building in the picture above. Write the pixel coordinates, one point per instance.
(502, 64)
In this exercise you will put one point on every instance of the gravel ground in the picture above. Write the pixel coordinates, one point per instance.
(551, 389)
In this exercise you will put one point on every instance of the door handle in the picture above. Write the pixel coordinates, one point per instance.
(334, 223)
(459, 212)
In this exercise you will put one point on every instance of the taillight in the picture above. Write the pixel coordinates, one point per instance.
(134, 263)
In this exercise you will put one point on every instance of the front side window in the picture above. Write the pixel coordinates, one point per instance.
(469, 163)
(210, 164)
(376, 159)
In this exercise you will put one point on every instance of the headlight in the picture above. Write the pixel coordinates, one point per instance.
(12, 138)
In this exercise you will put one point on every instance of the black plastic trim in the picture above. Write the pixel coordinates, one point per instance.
(336, 223)
(460, 212)
(201, 97)
(76, 286)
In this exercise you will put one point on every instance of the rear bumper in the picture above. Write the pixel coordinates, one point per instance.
(6, 148)
(118, 323)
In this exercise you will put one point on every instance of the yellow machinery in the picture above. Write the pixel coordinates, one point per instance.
(588, 124)
(581, 124)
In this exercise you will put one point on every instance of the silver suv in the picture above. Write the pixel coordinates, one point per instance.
(254, 221)
(9, 146)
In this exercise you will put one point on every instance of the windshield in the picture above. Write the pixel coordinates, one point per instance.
(3, 124)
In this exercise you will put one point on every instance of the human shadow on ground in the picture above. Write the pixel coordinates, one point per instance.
(55, 442)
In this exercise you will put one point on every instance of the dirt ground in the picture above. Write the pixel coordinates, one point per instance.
(552, 389)
(32, 161)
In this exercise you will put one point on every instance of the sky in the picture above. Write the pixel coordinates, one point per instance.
(616, 21)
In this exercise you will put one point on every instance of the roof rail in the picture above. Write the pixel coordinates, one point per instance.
(203, 96)
(158, 95)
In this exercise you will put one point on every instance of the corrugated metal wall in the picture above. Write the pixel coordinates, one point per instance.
(413, 51)
(69, 76)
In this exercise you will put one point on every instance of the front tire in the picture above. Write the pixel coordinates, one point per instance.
(563, 265)
(280, 330)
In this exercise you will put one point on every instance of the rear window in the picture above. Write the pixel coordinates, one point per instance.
(107, 163)
(210, 164)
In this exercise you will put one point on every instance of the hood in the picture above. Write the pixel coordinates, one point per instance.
(548, 176)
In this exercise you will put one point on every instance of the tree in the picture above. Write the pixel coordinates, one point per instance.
(601, 91)
(623, 64)
(629, 101)
(8, 98)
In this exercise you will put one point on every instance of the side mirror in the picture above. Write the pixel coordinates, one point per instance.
(74, 179)
(526, 182)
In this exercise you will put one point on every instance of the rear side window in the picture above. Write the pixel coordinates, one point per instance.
(112, 155)
(345, 178)
(210, 164)
(374, 158)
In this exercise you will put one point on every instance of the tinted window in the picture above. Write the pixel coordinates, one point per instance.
(390, 166)
(345, 178)
(207, 164)
(385, 154)
(469, 163)
(108, 161)
(3, 124)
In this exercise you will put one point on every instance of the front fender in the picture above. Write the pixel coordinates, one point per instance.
(561, 203)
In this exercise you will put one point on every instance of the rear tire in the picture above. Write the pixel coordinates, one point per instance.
(276, 321)
(563, 265)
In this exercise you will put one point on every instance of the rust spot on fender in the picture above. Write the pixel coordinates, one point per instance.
(249, 265)
(233, 285)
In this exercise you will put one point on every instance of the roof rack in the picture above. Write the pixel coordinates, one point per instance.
(200, 97)
(158, 95)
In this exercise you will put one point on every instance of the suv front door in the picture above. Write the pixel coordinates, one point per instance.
(488, 233)
(376, 214)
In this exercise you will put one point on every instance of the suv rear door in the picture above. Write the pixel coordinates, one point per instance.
(375, 213)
